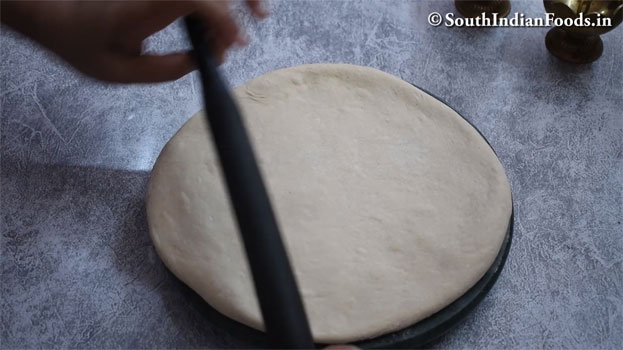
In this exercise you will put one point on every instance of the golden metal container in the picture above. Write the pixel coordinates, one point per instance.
(581, 44)
(475, 8)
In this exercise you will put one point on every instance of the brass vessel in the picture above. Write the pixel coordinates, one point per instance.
(474, 8)
(581, 44)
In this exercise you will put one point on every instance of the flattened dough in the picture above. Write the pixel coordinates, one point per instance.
(392, 206)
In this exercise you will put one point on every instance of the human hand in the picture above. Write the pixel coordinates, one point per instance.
(103, 39)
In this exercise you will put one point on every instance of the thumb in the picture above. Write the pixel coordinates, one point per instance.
(152, 68)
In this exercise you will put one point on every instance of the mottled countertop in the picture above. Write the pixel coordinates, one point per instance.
(79, 269)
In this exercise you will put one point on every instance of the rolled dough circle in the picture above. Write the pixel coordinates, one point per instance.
(391, 205)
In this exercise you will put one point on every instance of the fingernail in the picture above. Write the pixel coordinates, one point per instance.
(260, 11)
(242, 39)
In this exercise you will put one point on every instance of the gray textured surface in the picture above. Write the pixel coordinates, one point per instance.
(79, 270)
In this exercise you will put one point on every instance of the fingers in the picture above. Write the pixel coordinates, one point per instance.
(222, 29)
(150, 68)
(256, 8)
(145, 19)
(128, 66)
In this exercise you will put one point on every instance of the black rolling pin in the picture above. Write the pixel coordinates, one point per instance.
(280, 302)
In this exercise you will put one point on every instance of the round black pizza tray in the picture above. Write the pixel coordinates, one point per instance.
(414, 336)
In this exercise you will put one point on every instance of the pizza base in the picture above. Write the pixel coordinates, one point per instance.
(390, 204)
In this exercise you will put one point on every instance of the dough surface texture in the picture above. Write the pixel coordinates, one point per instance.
(391, 205)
